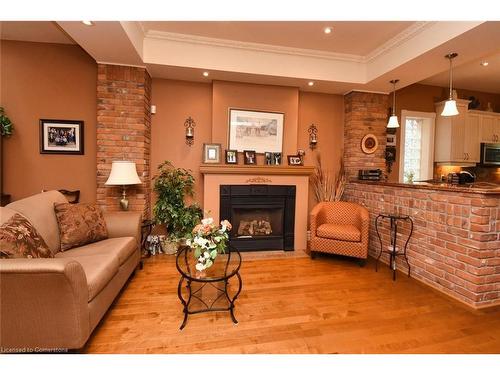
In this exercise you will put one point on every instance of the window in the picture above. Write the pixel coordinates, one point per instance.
(417, 146)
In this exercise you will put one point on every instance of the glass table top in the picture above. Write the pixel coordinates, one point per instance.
(225, 265)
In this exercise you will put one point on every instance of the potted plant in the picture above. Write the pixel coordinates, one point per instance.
(6, 126)
(173, 185)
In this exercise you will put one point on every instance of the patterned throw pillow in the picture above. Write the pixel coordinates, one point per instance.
(20, 239)
(79, 224)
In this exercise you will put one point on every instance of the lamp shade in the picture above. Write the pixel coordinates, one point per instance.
(450, 108)
(393, 122)
(123, 173)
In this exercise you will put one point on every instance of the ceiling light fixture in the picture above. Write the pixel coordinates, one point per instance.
(450, 107)
(484, 63)
(393, 120)
(205, 74)
(327, 30)
(88, 23)
(310, 83)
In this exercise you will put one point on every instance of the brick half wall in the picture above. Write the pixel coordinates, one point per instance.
(455, 246)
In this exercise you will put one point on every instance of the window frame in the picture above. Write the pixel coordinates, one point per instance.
(431, 118)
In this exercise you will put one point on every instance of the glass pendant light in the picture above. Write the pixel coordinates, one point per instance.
(450, 107)
(393, 120)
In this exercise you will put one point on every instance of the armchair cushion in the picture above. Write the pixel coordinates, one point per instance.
(340, 232)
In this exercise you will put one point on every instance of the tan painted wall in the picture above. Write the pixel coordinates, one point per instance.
(419, 97)
(55, 81)
(327, 113)
(255, 97)
(175, 101)
(208, 105)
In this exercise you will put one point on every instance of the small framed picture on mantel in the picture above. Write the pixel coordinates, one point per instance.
(295, 160)
(211, 153)
(61, 137)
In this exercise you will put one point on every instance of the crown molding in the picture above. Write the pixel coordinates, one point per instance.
(366, 91)
(119, 64)
(408, 33)
(259, 47)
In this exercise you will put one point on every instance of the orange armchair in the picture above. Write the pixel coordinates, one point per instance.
(339, 228)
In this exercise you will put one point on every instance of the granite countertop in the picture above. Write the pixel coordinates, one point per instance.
(477, 188)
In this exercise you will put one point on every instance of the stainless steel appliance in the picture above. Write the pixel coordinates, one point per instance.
(490, 154)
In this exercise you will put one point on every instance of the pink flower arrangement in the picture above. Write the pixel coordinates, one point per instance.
(208, 240)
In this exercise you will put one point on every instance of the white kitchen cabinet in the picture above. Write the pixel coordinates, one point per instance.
(457, 140)
(472, 137)
(490, 127)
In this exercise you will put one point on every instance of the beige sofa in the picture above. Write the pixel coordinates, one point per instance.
(58, 302)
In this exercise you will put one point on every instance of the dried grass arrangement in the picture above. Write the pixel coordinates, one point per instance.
(327, 186)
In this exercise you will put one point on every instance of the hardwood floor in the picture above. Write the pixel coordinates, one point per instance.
(292, 304)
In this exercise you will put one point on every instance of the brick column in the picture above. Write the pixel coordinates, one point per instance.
(364, 113)
(123, 132)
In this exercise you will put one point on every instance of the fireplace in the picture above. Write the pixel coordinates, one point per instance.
(263, 216)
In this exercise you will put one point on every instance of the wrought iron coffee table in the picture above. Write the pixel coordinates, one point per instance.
(209, 290)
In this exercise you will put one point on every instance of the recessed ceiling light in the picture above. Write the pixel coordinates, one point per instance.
(310, 83)
(484, 63)
(327, 30)
(88, 23)
(205, 74)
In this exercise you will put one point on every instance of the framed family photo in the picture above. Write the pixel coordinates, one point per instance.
(231, 157)
(211, 153)
(294, 160)
(256, 130)
(250, 157)
(61, 137)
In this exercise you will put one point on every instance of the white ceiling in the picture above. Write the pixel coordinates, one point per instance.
(356, 38)
(472, 76)
(356, 55)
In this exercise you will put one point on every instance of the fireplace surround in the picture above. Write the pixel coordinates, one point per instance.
(263, 216)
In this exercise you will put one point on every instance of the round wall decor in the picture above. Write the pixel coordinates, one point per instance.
(369, 144)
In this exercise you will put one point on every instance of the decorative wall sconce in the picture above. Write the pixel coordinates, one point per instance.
(189, 124)
(313, 136)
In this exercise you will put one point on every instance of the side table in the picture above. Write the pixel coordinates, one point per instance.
(393, 252)
(208, 290)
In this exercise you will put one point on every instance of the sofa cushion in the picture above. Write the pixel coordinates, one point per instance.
(20, 239)
(39, 210)
(339, 232)
(79, 224)
(99, 270)
(6, 214)
(121, 248)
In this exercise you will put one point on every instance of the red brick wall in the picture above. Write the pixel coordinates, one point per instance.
(123, 132)
(455, 246)
(364, 113)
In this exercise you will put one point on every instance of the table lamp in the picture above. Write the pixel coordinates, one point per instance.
(123, 173)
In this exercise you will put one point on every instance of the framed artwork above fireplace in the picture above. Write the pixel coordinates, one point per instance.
(255, 130)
